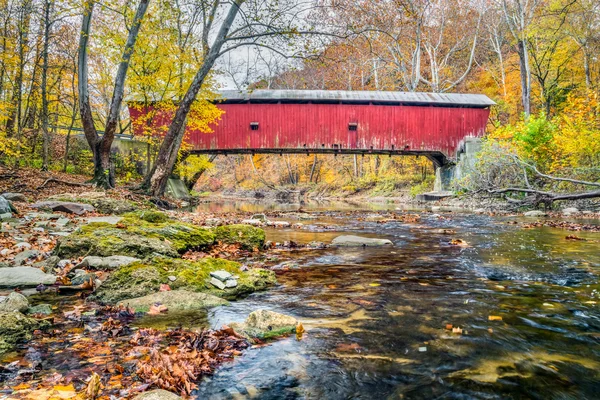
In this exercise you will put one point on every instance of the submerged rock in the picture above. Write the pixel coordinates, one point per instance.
(175, 300)
(157, 394)
(534, 213)
(247, 236)
(64, 206)
(357, 241)
(14, 302)
(24, 277)
(265, 324)
(16, 328)
(43, 309)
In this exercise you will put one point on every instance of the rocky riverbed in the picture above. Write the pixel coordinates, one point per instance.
(118, 298)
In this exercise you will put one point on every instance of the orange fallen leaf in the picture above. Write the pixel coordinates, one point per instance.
(164, 288)
(459, 242)
(157, 308)
(449, 326)
(494, 318)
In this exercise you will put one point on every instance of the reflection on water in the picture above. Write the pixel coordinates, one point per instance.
(377, 318)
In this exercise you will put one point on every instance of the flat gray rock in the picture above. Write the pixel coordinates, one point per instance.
(157, 394)
(25, 256)
(221, 275)
(230, 283)
(535, 213)
(111, 219)
(110, 262)
(24, 276)
(217, 283)
(358, 241)
(64, 206)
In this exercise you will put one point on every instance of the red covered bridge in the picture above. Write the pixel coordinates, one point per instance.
(340, 122)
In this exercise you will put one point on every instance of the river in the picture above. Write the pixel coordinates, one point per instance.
(379, 320)
(512, 313)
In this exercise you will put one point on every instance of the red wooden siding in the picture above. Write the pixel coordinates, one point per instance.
(298, 126)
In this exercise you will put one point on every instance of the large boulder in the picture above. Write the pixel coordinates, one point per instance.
(247, 236)
(359, 241)
(135, 238)
(14, 302)
(64, 206)
(175, 300)
(157, 394)
(24, 277)
(144, 278)
(16, 328)
(265, 324)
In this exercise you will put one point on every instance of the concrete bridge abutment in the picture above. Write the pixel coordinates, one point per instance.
(446, 175)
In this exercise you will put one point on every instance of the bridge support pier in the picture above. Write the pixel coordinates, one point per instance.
(466, 159)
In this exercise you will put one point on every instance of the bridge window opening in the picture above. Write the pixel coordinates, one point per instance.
(254, 126)
(353, 126)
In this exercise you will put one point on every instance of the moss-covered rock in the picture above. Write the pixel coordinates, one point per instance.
(144, 278)
(265, 324)
(17, 328)
(151, 216)
(103, 239)
(134, 280)
(101, 203)
(134, 237)
(248, 236)
(175, 300)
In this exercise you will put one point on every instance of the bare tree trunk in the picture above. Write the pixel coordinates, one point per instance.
(45, 132)
(101, 146)
(167, 155)
(312, 170)
(525, 77)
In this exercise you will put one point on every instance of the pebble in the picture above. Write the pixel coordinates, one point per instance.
(172, 278)
(23, 245)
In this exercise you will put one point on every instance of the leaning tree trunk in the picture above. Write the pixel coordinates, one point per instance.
(167, 155)
(103, 173)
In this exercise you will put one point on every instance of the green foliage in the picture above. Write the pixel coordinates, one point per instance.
(422, 187)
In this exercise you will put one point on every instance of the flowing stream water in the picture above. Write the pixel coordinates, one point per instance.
(378, 318)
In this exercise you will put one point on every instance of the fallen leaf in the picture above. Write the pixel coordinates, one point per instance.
(448, 326)
(457, 330)
(164, 288)
(93, 387)
(157, 308)
(299, 331)
(459, 242)
(494, 318)
(374, 284)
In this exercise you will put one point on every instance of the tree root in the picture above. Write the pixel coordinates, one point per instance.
(54, 180)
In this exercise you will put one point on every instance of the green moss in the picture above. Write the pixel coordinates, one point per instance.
(143, 278)
(136, 238)
(248, 236)
(149, 216)
(16, 328)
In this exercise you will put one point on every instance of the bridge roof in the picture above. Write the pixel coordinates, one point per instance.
(358, 97)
